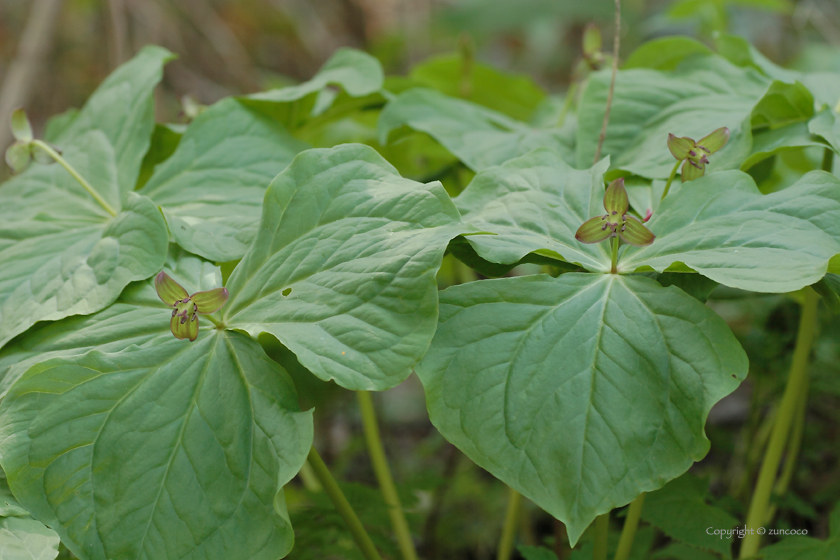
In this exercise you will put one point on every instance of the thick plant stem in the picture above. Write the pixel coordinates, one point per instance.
(797, 382)
(616, 45)
(628, 533)
(383, 475)
(310, 481)
(792, 451)
(508, 538)
(614, 245)
(828, 160)
(342, 506)
(75, 174)
(670, 180)
(602, 535)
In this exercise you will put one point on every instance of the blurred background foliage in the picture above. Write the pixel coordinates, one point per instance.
(229, 47)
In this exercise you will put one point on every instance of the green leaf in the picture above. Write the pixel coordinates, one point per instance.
(137, 317)
(212, 188)
(703, 94)
(123, 109)
(357, 72)
(61, 254)
(536, 553)
(165, 451)
(27, 539)
(665, 53)
(807, 548)
(722, 227)
(535, 203)
(479, 137)
(680, 510)
(21, 129)
(513, 95)
(827, 125)
(679, 551)
(593, 389)
(769, 142)
(165, 140)
(9, 506)
(343, 268)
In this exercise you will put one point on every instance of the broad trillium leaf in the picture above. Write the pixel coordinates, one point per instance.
(356, 72)
(704, 93)
(535, 203)
(61, 253)
(137, 318)
(343, 268)
(211, 189)
(511, 94)
(23, 538)
(827, 125)
(722, 227)
(172, 450)
(478, 136)
(593, 389)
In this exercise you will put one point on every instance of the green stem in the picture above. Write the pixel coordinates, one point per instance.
(342, 506)
(310, 481)
(602, 535)
(57, 157)
(792, 452)
(615, 243)
(567, 104)
(797, 381)
(383, 475)
(828, 160)
(508, 538)
(670, 179)
(628, 533)
(217, 323)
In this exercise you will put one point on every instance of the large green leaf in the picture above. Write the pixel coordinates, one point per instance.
(592, 389)
(168, 450)
(356, 72)
(478, 136)
(211, 189)
(827, 125)
(535, 203)
(123, 109)
(137, 317)
(343, 268)
(702, 94)
(513, 95)
(23, 538)
(722, 227)
(61, 253)
(807, 548)
(680, 508)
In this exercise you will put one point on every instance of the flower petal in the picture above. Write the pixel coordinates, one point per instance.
(183, 330)
(18, 156)
(633, 232)
(594, 230)
(21, 129)
(692, 170)
(168, 290)
(211, 300)
(616, 202)
(715, 141)
(680, 147)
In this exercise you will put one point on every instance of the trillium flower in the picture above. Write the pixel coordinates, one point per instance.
(616, 222)
(24, 149)
(184, 322)
(694, 155)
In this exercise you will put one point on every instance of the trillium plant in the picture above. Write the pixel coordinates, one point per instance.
(576, 360)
